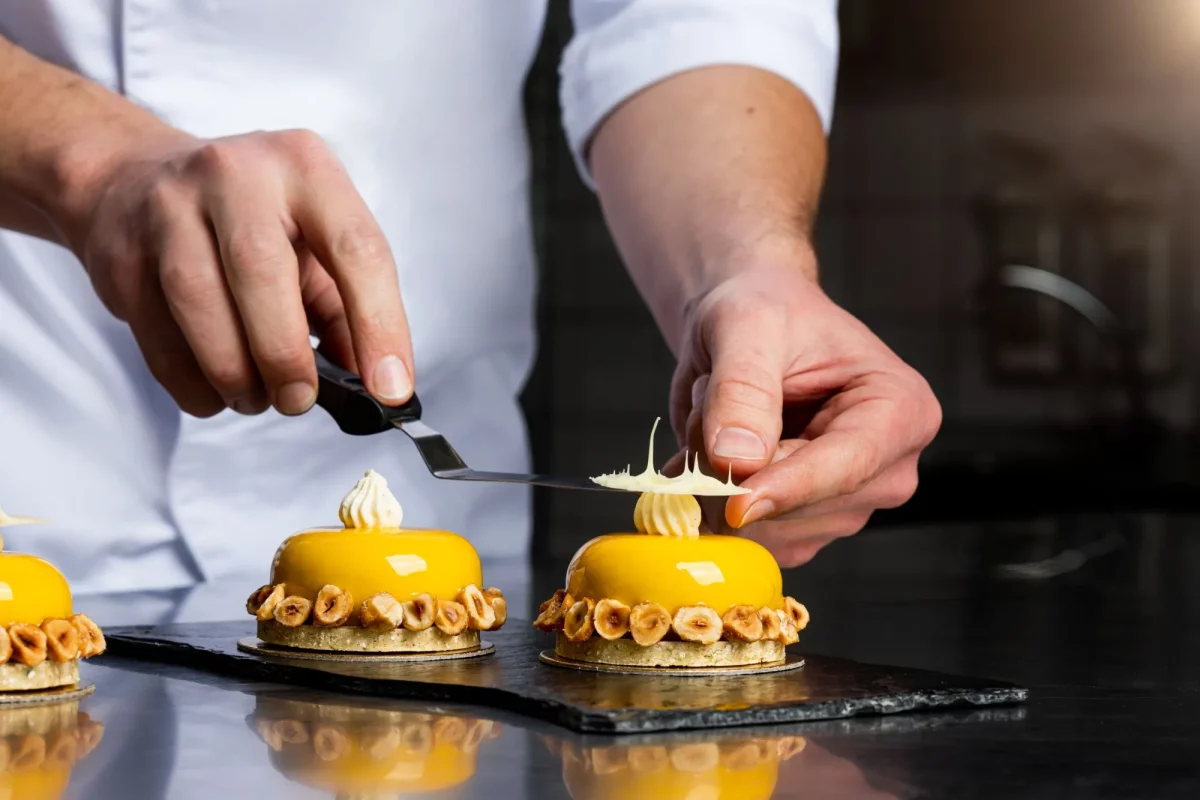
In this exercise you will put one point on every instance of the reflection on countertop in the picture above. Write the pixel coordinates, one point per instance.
(742, 764)
(230, 739)
(350, 747)
(40, 746)
(363, 748)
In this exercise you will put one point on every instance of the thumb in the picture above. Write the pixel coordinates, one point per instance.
(743, 405)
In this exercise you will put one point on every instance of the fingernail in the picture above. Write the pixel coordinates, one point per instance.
(391, 379)
(741, 444)
(760, 510)
(295, 398)
(699, 389)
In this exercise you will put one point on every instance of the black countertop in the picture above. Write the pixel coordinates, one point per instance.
(1097, 615)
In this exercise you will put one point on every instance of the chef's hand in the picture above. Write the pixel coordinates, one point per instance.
(822, 421)
(223, 254)
(710, 181)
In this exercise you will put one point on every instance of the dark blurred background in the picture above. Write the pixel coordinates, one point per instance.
(1008, 206)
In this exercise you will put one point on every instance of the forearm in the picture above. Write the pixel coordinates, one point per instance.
(58, 134)
(707, 173)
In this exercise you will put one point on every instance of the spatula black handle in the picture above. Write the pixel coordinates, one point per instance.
(343, 395)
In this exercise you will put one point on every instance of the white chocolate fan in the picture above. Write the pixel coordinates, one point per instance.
(649, 481)
(8, 519)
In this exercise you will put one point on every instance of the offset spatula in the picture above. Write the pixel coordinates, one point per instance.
(342, 394)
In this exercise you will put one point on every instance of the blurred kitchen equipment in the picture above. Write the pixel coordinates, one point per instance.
(1090, 229)
(1021, 218)
(342, 394)
(1126, 246)
(1121, 340)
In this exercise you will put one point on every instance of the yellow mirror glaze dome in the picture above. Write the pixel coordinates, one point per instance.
(401, 562)
(359, 774)
(715, 570)
(670, 782)
(31, 590)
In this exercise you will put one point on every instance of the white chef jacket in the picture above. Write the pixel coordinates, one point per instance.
(422, 102)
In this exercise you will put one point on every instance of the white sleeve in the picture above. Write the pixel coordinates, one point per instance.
(622, 46)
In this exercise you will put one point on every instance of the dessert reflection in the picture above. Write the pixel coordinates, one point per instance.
(715, 765)
(39, 746)
(350, 748)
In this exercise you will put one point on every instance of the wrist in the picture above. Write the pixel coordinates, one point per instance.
(777, 246)
(83, 169)
(59, 147)
(744, 261)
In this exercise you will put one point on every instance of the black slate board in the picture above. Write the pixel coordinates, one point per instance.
(513, 680)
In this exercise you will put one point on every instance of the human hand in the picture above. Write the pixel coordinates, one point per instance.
(794, 395)
(222, 255)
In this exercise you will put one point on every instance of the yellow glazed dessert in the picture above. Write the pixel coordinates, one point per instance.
(738, 768)
(668, 596)
(716, 571)
(351, 751)
(41, 744)
(41, 638)
(374, 586)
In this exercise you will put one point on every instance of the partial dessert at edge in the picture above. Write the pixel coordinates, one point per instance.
(668, 596)
(373, 586)
(42, 639)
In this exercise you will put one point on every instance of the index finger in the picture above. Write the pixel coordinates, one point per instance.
(342, 233)
(858, 443)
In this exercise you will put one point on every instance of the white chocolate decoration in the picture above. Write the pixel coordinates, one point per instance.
(667, 514)
(691, 482)
(370, 504)
(8, 519)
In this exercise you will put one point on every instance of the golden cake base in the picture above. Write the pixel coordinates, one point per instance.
(15, 677)
(42, 697)
(256, 646)
(353, 639)
(789, 663)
